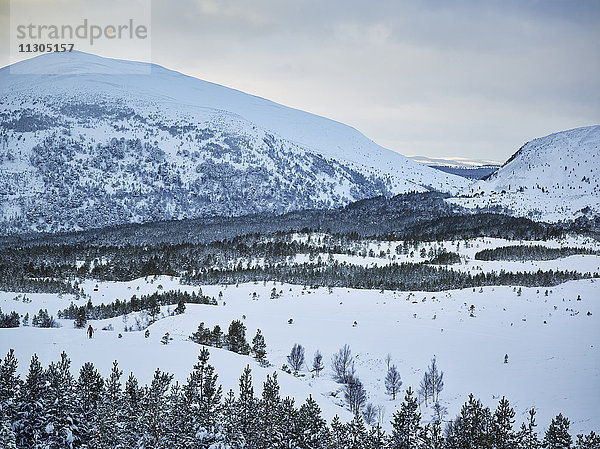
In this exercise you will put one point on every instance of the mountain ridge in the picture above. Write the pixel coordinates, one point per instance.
(552, 178)
(97, 149)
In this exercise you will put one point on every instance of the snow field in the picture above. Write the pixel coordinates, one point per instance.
(554, 367)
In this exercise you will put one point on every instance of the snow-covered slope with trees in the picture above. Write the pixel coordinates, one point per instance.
(552, 178)
(84, 145)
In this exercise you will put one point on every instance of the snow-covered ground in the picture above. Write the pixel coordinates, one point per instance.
(552, 342)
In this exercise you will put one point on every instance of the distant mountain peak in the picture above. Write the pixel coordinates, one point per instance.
(551, 178)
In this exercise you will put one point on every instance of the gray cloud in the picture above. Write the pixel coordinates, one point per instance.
(437, 78)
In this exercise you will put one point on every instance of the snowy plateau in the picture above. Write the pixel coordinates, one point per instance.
(176, 216)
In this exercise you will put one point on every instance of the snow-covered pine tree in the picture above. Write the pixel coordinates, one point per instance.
(155, 410)
(269, 413)
(131, 412)
(357, 433)
(313, 428)
(231, 433)
(472, 428)
(31, 407)
(90, 389)
(178, 420)
(62, 420)
(7, 435)
(287, 424)
(589, 441)
(406, 424)
(259, 348)
(210, 393)
(527, 436)
(376, 438)
(236, 338)
(339, 434)
(503, 436)
(108, 430)
(10, 384)
(247, 409)
(557, 436)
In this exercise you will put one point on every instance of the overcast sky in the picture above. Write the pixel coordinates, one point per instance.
(435, 78)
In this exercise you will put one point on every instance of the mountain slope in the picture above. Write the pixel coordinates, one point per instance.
(84, 145)
(552, 178)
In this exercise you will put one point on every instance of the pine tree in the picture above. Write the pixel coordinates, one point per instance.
(202, 336)
(503, 436)
(154, 410)
(89, 393)
(472, 428)
(287, 425)
(339, 434)
(590, 441)
(131, 413)
(180, 307)
(247, 409)
(376, 438)
(10, 383)
(209, 392)
(178, 421)
(269, 412)
(7, 435)
(231, 432)
(61, 420)
(81, 318)
(406, 424)
(558, 436)
(527, 436)
(236, 338)
(108, 431)
(313, 428)
(393, 381)
(32, 406)
(259, 348)
(357, 433)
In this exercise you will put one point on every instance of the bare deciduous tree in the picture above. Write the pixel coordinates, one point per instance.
(296, 357)
(317, 366)
(355, 394)
(343, 365)
(370, 414)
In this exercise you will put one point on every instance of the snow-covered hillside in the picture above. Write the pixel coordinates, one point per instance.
(83, 145)
(551, 178)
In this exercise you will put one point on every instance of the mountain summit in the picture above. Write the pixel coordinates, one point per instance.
(86, 143)
(552, 178)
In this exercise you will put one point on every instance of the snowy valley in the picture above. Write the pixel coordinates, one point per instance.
(196, 230)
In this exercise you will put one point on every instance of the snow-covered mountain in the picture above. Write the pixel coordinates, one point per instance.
(551, 178)
(85, 145)
(465, 167)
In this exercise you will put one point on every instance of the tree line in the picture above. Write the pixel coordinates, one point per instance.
(530, 252)
(51, 408)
